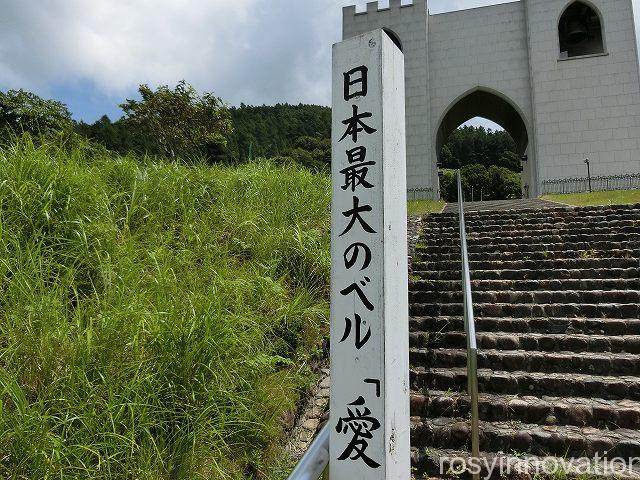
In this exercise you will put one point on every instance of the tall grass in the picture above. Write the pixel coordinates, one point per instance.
(156, 320)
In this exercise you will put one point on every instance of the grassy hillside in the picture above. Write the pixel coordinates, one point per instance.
(155, 319)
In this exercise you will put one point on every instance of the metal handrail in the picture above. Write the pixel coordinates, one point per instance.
(315, 460)
(470, 329)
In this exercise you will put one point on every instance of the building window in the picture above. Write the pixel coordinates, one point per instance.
(580, 31)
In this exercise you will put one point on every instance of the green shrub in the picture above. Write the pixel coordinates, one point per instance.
(504, 183)
(449, 186)
(478, 182)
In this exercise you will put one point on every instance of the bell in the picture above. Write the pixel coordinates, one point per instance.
(576, 31)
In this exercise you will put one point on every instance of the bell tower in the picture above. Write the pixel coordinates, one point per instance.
(561, 76)
(585, 87)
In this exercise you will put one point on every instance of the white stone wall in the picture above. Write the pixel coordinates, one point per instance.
(573, 109)
(482, 48)
(585, 107)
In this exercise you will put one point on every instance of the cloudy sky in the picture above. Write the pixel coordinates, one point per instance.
(91, 54)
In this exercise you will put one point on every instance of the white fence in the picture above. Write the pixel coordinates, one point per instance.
(419, 193)
(601, 183)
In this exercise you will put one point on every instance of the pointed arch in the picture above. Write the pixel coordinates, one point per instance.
(394, 37)
(581, 30)
(487, 103)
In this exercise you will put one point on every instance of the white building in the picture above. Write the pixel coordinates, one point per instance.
(560, 76)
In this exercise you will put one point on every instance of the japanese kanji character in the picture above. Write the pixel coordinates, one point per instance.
(349, 82)
(355, 174)
(355, 125)
(362, 425)
(354, 213)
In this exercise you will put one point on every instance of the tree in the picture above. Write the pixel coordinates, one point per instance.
(116, 136)
(488, 161)
(449, 186)
(510, 160)
(268, 131)
(179, 122)
(447, 158)
(504, 183)
(468, 145)
(294, 133)
(22, 111)
(475, 182)
(312, 152)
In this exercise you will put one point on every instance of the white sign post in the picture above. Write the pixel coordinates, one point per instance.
(369, 299)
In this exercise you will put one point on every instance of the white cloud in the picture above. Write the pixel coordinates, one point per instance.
(118, 44)
(251, 51)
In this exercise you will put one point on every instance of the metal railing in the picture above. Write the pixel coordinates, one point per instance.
(424, 193)
(315, 460)
(470, 329)
(630, 181)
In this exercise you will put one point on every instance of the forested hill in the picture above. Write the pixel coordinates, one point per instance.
(269, 131)
(301, 132)
(476, 145)
(294, 130)
(293, 133)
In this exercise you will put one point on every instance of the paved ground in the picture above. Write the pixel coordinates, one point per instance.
(501, 205)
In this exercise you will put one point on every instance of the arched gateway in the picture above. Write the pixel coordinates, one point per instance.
(482, 102)
(560, 76)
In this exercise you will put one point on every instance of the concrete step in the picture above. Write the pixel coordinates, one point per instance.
(529, 273)
(529, 383)
(593, 363)
(448, 463)
(438, 248)
(530, 310)
(545, 410)
(436, 221)
(557, 303)
(527, 285)
(550, 264)
(575, 228)
(529, 221)
(560, 211)
(532, 342)
(516, 255)
(516, 297)
(580, 234)
(562, 440)
(536, 325)
(528, 238)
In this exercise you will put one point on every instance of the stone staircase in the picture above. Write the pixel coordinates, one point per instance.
(556, 295)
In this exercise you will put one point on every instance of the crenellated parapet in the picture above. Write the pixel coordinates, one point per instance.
(374, 8)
